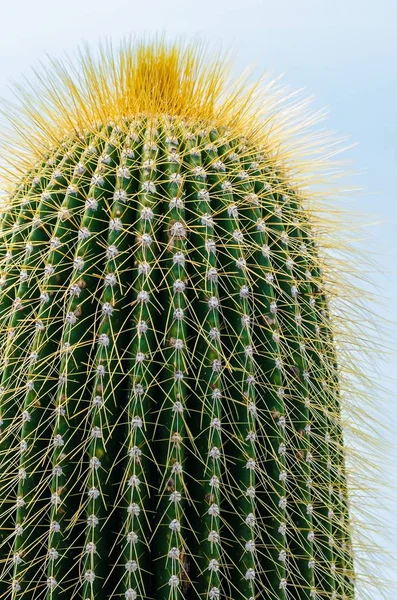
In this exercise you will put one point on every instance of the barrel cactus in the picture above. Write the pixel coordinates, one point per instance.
(170, 392)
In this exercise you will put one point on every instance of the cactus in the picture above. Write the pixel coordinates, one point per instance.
(170, 391)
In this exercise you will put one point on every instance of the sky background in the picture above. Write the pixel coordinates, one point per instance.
(343, 52)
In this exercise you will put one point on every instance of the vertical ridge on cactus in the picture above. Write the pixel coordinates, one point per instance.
(170, 393)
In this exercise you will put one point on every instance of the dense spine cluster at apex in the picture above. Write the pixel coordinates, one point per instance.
(170, 418)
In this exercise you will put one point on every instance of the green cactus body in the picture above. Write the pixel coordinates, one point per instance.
(169, 390)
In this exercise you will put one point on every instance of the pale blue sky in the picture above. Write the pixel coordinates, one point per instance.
(344, 52)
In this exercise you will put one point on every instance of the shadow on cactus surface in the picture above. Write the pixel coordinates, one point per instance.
(173, 375)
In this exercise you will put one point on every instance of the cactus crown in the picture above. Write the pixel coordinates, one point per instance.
(170, 390)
